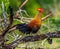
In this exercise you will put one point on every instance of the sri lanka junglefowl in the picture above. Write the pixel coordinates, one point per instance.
(33, 26)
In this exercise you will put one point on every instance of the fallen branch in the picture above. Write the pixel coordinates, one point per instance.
(34, 38)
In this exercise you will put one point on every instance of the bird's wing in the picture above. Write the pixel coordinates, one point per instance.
(24, 28)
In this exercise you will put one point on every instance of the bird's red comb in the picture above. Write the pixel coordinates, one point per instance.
(40, 10)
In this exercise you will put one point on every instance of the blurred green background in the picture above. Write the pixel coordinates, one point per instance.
(49, 25)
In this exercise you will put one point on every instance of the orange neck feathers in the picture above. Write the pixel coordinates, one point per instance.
(36, 21)
(38, 15)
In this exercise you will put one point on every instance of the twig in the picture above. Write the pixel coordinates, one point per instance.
(28, 19)
(23, 4)
(4, 15)
(47, 16)
(34, 38)
(10, 22)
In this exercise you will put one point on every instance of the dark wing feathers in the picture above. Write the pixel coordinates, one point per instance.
(24, 28)
(35, 29)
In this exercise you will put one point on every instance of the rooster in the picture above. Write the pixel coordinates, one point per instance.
(33, 26)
